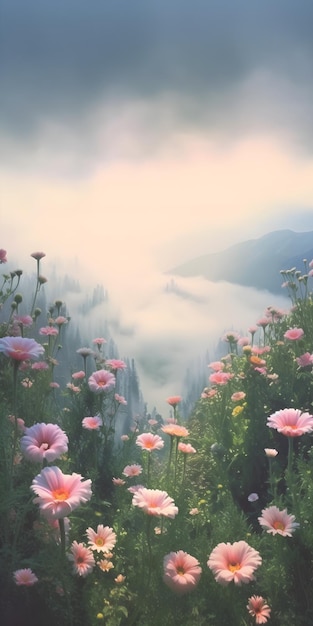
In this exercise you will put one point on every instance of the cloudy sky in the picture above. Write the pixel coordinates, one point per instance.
(138, 134)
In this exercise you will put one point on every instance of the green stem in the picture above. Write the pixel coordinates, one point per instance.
(62, 536)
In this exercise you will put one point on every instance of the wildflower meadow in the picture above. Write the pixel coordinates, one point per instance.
(205, 521)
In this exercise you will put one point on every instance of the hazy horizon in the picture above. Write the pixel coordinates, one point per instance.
(137, 136)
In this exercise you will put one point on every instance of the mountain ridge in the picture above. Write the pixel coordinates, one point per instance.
(254, 262)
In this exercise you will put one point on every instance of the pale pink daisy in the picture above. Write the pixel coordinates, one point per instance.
(132, 470)
(73, 388)
(116, 364)
(181, 571)
(234, 562)
(293, 334)
(259, 609)
(21, 348)
(59, 494)
(48, 331)
(194, 511)
(220, 378)
(238, 396)
(100, 381)
(278, 522)
(82, 559)
(149, 442)
(175, 430)
(102, 540)
(23, 320)
(61, 320)
(54, 385)
(305, 360)
(99, 341)
(155, 502)
(3, 256)
(124, 438)
(92, 423)
(270, 452)
(120, 399)
(174, 401)
(40, 366)
(186, 448)
(291, 422)
(105, 565)
(25, 577)
(43, 441)
(118, 482)
(78, 375)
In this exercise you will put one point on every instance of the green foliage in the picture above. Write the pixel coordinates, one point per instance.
(211, 488)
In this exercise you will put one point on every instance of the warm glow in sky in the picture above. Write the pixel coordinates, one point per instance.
(135, 136)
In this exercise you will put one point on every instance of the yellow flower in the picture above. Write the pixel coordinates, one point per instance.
(100, 616)
(237, 410)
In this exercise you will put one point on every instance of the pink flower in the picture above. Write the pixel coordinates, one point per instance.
(305, 360)
(278, 522)
(78, 375)
(99, 341)
(237, 396)
(20, 423)
(258, 608)
(175, 430)
(263, 322)
(118, 482)
(102, 540)
(73, 388)
(54, 385)
(149, 442)
(37, 255)
(217, 366)
(43, 441)
(40, 366)
(124, 437)
(116, 364)
(270, 452)
(132, 470)
(120, 399)
(25, 577)
(291, 422)
(174, 400)
(82, 558)
(186, 448)
(100, 381)
(92, 423)
(293, 334)
(20, 348)
(59, 494)
(155, 502)
(3, 256)
(220, 378)
(234, 562)
(181, 571)
(23, 320)
(60, 320)
(48, 331)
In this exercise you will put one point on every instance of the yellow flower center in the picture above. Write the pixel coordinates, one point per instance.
(99, 541)
(233, 567)
(60, 494)
(180, 571)
(279, 525)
